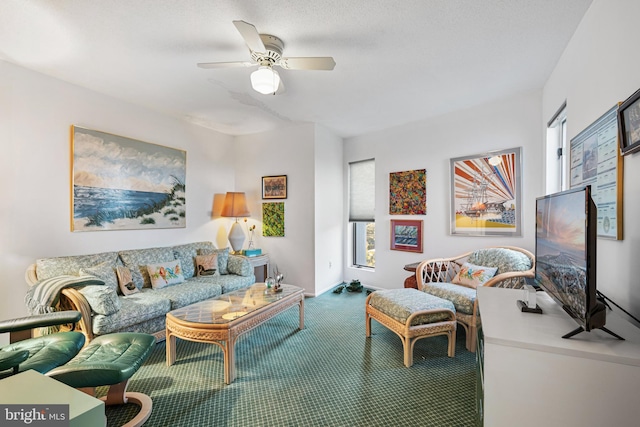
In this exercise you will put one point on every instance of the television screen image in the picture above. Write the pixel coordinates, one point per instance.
(566, 237)
(561, 251)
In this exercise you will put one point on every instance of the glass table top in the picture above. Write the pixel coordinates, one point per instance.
(228, 307)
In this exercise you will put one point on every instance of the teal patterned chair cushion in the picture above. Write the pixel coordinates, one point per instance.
(47, 268)
(136, 308)
(399, 304)
(138, 259)
(504, 260)
(239, 265)
(462, 297)
(187, 254)
(191, 291)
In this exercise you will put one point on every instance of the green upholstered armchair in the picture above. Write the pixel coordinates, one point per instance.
(41, 353)
(456, 278)
(109, 360)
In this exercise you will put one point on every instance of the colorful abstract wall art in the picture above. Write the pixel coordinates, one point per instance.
(408, 192)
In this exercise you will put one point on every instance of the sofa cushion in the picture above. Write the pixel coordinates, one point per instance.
(136, 308)
(102, 299)
(165, 274)
(231, 282)
(240, 265)
(105, 272)
(187, 254)
(71, 265)
(462, 297)
(190, 291)
(472, 275)
(138, 259)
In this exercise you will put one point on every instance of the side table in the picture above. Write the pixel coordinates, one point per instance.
(260, 261)
(411, 282)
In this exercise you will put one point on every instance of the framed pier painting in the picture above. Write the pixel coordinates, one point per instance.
(486, 194)
(119, 183)
(406, 235)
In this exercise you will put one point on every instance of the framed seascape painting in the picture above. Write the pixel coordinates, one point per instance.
(120, 183)
(486, 194)
(406, 235)
(274, 187)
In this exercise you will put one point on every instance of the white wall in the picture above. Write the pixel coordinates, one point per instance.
(36, 113)
(431, 144)
(329, 222)
(598, 69)
(288, 151)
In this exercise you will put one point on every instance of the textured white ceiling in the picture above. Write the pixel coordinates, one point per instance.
(396, 61)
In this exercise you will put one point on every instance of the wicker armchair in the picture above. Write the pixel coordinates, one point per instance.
(434, 276)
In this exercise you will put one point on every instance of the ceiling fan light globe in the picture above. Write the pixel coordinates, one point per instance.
(495, 160)
(265, 80)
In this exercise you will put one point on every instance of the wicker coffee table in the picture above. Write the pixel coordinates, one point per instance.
(223, 319)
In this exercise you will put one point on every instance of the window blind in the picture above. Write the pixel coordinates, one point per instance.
(362, 191)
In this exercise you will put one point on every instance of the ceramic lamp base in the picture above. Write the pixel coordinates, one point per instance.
(236, 236)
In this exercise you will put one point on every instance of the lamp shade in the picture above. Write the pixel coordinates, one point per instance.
(235, 205)
(265, 80)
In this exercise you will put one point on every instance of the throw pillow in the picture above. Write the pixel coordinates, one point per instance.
(223, 258)
(125, 281)
(207, 265)
(165, 274)
(472, 276)
(105, 272)
(102, 299)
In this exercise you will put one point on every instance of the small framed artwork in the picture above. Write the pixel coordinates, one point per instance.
(406, 235)
(629, 124)
(274, 187)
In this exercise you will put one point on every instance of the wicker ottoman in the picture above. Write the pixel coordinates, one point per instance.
(412, 315)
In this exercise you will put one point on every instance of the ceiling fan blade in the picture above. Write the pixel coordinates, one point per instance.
(226, 64)
(250, 36)
(309, 63)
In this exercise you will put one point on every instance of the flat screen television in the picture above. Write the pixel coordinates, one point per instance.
(566, 238)
(629, 124)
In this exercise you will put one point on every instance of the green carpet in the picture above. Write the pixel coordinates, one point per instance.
(329, 374)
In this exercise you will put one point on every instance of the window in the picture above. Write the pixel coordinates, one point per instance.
(556, 151)
(361, 212)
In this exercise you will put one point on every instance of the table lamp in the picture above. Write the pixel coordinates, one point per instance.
(235, 206)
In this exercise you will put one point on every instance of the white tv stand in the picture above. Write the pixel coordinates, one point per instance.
(528, 375)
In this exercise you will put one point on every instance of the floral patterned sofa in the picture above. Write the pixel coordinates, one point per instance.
(456, 279)
(106, 309)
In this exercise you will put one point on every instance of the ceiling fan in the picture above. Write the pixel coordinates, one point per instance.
(266, 52)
